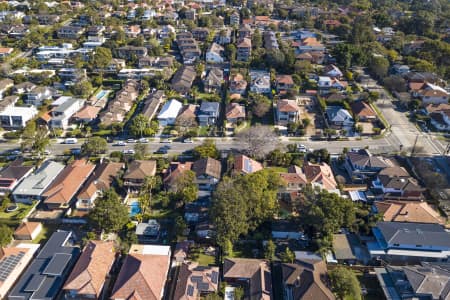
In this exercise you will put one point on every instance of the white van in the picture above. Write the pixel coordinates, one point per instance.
(70, 141)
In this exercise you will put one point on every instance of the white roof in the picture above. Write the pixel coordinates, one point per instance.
(150, 249)
(170, 109)
(61, 100)
(27, 113)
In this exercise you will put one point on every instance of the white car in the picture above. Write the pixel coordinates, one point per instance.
(131, 141)
(128, 151)
(302, 148)
(188, 141)
(120, 143)
(166, 141)
(143, 140)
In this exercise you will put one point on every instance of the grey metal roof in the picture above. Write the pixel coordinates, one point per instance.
(209, 106)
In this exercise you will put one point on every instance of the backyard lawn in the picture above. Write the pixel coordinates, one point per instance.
(199, 256)
(15, 217)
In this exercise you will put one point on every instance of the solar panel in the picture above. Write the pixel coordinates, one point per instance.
(203, 286)
(57, 264)
(8, 264)
(190, 290)
(35, 282)
(215, 277)
(197, 278)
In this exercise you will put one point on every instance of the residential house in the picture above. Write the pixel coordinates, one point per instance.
(44, 277)
(208, 172)
(23, 88)
(132, 31)
(166, 31)
(238, 85)
(361, 164)
(137, 172)
(214, 54)
(205, 230)
(127, 52)
(422, 281)
(5, 52)
(260, 82)
(8, 102)
(270, 41)
(306, 279)
(61, 115)
(187, 118)
(28, 231)
(333, 72)
(70, 32)
(245, 165)
(212, 83)
(169, 112)
(62, 191)
(286, 230)
(235, 113)
(395, 183)
(400, 69)
(183, 79)
(408, 211)
(194, 281)
(13, 262)
(244, 49)
(16, 117)
(5, 85)
(208, 113)
(37, 95)
(156, 62)
(343, 248)
(100, 181)
(197, 213)
(223, 36)
(143, 274)
(72, 75)
(152, 104)
(148, 232)
(174, 170)
(33, 186)
(188, 47)
(314, 57)
(182, 249)
(252, 274)
(439, 116)
(88, 277)
(87, 114)
(287, 112)
(339, 117)
(118, 107)
(234, 19)
(200, 33)
(400, 242)
(190, 14)
(433, 94)
(310, 44)
(284, 83)
(363, 111)
(245, 31)
(12, 175)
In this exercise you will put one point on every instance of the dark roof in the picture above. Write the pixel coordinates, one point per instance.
(364, 158)
(424, 234)
(207, 166)
(139, 169)
(15, 170)
(44, 277)
(209, 106)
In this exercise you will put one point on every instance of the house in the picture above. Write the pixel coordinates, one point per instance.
(127, 52)
(200, 33)
(148, 232)
(62, 190)
(400, 242)
(361, 164)
(208, 172)
(13, 262)
(36, 96)
(238, 85)
(339, 117)
(8, 102)
(143, 274)
(33, 186)
(400, 69)
(183, 79)
(28, 231)
(137, 172)
(187, 118)
(12, 175)
(208, 113)
(284, 83)
(333, 72)
(118, 107)
(45, 276)
(88, 277)
(245, 165)
(5, 85)
(152, 104)
(245, 31)
(286, 230)
(252, 274)
(270, 41)
(194, 281)
(343, 248)
(213, 81)
(306, 279)
(100, 181)
(260, 82)
(188, 47)
(407, 211)
(132, 31)
(72, 75)
(205, 230)
(156, 62)
(214, 54)
(70, 32)
(223, 36)
(395, 183)
(181, 251)
(87, 114)
(174, 170)
(287, 112)
(244, 49)
(5, 52)
(433, 94)
(190, 14)
(440, 120)
(196, 213)
(363, 111)
(61, 115)
(234, 19)
(169, 112)
(16, 117)
(310, 44)
(23, 88)
(422, 281)
(235, 113)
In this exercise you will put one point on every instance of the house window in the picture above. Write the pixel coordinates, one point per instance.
(418, 246)
(396, 245)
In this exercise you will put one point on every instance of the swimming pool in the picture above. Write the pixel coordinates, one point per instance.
(100, 95)
(134, 208)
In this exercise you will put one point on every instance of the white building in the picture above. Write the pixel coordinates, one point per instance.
(62, 113)
(260, 82)
(169, 112)
(17, 117)
(214, 54)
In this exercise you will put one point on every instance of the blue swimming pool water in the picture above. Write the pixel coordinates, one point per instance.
(134, 209)
(101, 94)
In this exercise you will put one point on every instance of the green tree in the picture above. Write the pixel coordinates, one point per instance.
(288, 256)
(109, 214)
(139, 124)
(261, 105)
(5, 235)
(94, 146)
(345, 284)
(35, 138)
(185, 187)
(151, 184)
(239, 293)
(82, 88)
(141, 150)
(257, 40)
(379, 66)
(180, 226)
(269, 251)
(206, 149)
(101, 58)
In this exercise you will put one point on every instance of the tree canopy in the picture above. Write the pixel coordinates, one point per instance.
(257, 140)
(345, 284)
(5, 235)
(94, 146)
(109, 214)
(206, 149)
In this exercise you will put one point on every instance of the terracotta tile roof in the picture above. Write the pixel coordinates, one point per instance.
(67, 183)
(287, 106)
(87, 112)
(27, 228)
(362, 109)
(294, 178)
(311, 41)
(286, 79)
(91, 269)
(320, 173)
(101, 179)
(139, 169)
(235, 110)
(246, 165)
(194, 280)
(245, 43)
(174, 170)
(142, 277)
(6, 50)
(408, 211)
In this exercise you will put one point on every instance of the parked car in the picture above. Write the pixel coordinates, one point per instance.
(130, 141)
(302, 148)
(166, 141)
(161, 150)
(120, 143)
(128, 151)
(143, 140)
(188, 141)
(70, 141)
